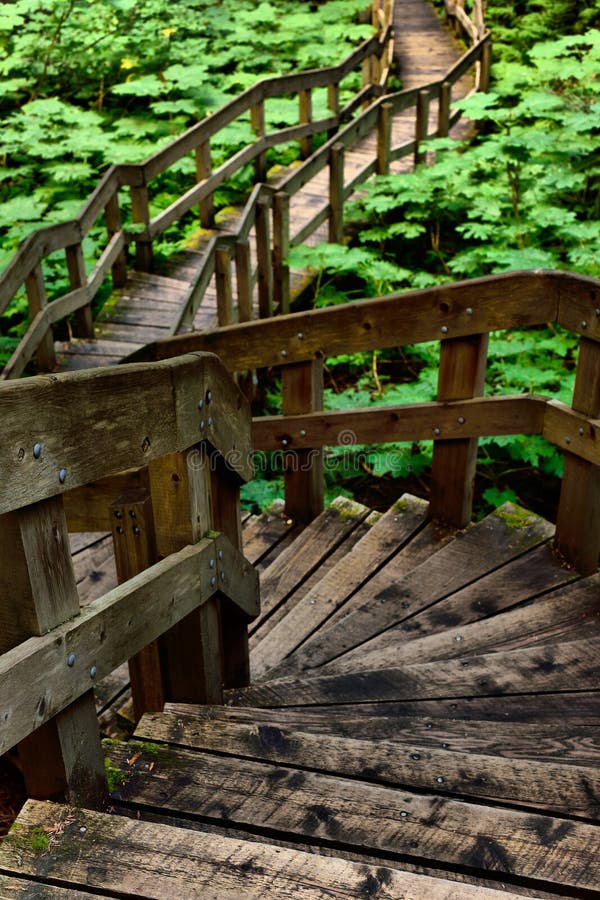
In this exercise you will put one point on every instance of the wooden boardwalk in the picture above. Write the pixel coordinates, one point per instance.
(422, 723)
(147, 307)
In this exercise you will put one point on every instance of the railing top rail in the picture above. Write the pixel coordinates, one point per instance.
(511, 300)
(133, 415)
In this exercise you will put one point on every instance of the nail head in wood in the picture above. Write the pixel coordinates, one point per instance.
(37, 451)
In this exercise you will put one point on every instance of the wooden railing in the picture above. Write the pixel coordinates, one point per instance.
(69, 445)
(461, 316)
(265, 218)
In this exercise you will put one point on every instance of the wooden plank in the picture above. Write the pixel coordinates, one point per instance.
(159, 416)
(355, 814)
(35, 682)
(300, 559)
(547, 669)
(87, 507)
(153, 861)
(527, 576)
(565, 789)
(265, 532)
(499, 301)
(15, 888)
(391, 598)
(390, 532)
(559, 741)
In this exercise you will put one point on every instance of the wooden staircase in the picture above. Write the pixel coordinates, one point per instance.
(422, 723)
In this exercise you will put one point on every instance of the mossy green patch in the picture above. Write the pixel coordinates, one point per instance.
(516, 516)
(115, 777)
(32, 838)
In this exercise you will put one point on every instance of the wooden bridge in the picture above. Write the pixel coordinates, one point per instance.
(408, 707)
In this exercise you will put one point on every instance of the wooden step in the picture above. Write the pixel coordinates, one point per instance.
(116, 856)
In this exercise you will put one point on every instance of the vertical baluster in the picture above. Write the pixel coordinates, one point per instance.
(302, 388)
(36, 295)
(578, 519)
(257, 118)
(262, 227)
(333, 103)
(83, 325)
(224, 287)
(243, 270)
(281, 249)
(135, 550)
(422, 125)
(444, 109)
(306, 143)
(203, 171)
(140, 209)
(384, 138)
(336, 193)
(37, 584)
(461, 376)
(113, 225)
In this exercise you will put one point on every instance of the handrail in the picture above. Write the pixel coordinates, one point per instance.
(460, 315)
(177, 547)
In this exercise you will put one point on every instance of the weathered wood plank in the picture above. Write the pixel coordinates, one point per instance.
(151, 861)
(302, 391)
(387, 600)
(266, 532)
(550, 668)
(300, 559)
(15, 888)
(567, 790)
(385, 536)
(330, 809)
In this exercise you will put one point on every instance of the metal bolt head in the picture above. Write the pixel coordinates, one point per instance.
(458, 637)
(567, 440)
(211, 564)
(71, 660)
(284, 442)
(403, 814)
(444, 329)
(461, 420)
(200, 404)
(222, 576)
(300, 336)
(210, 421)
(118, 514)
(439, 779)
(284, 353)
(208, 396)
(136, 529)
(62, 476)
(37, 450)
(303, 432)
(597, 311)
(469, 311)
(220, 554)
(133, 513)
(581, 431)
(202, 423)
(437, 430)
(93, 672)
(584, 324)
(213, 581)
(120, 529)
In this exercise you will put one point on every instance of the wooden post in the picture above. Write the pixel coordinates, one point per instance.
(191, 651)
(461, 376)
(333, 103)
(140, 209)
(234, 624)
(384, 138)
(367, 75)
(281, 249)
(135, 550)
(485, 67)
(224, 289)
(444, 109)
(578, 520)
(336, 193)
(83, 326)
(262, 227)
(39, 593)
(243, 270)
(36, 295)
(302, 389)
(306, 143)
(203, 171)
(422, 125)
(113, 225)
(257, 118)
